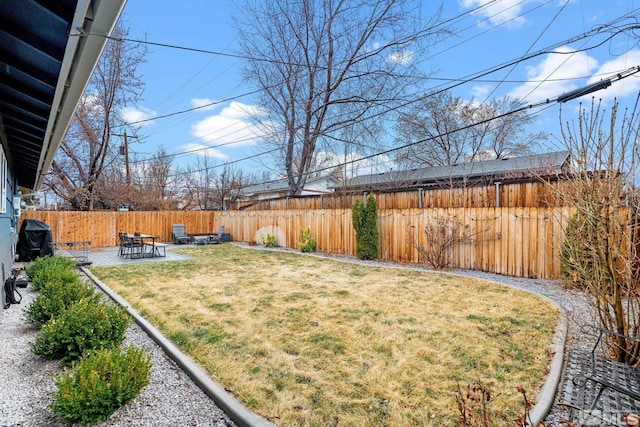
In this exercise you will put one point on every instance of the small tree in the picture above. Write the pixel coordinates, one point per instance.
(599, 253)
(442, 234)
(365, 222)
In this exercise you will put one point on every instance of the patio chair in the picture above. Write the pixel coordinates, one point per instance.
(123, 249)
(217, 238)
(129, 247)
(179, 235)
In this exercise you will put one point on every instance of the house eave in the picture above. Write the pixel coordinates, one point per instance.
(80, 59)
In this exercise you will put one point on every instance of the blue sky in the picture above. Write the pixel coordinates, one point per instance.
(503, 31)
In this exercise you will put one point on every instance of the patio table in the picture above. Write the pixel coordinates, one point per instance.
(144, 239)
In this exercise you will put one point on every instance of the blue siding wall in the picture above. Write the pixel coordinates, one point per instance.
(8, 236)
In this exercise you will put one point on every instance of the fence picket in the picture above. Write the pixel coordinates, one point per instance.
(514, 241)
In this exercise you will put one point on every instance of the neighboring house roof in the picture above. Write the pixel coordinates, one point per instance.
(517, 167)
(44, 68)
(282, 186)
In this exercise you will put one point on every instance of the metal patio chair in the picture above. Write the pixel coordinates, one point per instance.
(179, 235)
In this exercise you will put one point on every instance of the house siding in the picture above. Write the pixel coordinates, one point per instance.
(8, 235)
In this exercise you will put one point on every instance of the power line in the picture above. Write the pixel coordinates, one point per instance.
(528, 49)
(560, 98)
(461, 80)
(408, 39)
(466, 79)
(469, 78)
(273, 134)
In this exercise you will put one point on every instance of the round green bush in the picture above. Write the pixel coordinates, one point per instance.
(83, 326)
(46, 270)
(99, 383)
(56, 297)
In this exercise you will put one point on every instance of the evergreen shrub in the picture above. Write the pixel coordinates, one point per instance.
(365, 222)
(56, 297)
(85, 325)
(99, 383)
(45, 270)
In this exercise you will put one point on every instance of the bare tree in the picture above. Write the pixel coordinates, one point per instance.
(227, 185)
(437, 120)
(501, 133)
(198, 180)
(455, 131)
(89, 147)
(212, 186)
(600, 251)
(323, 65)
(154, 189)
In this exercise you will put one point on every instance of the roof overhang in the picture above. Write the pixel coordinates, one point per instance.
(45, 66)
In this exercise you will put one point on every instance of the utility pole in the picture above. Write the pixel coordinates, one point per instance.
(126, 162)
(124, 150)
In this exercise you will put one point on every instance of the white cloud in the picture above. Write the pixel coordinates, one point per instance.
(377, 164)
(505, 12)
(401, 57)
(134, 115)
(556, 74)
(202, 150)
(204, 104)
(479, 92)
(231, 126)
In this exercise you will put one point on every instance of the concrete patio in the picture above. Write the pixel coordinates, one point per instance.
(108, 257)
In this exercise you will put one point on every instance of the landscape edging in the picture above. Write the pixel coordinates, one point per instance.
(547, 394)
(227, 403)
(544, 400)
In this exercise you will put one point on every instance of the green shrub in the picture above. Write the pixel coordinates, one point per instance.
(99, 383)
(45, 270)
(84, 325)
(307, 244)
(56, 297)
(364, 217)
(269, 240)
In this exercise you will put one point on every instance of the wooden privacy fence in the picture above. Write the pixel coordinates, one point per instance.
(521, 242)
(102, 227)
(514, 194)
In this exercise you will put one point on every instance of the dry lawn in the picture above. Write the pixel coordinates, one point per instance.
(305, 341)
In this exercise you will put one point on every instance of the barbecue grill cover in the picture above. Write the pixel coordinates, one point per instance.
(34, 240)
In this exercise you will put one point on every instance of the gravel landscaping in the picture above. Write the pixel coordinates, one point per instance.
(172, 398)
